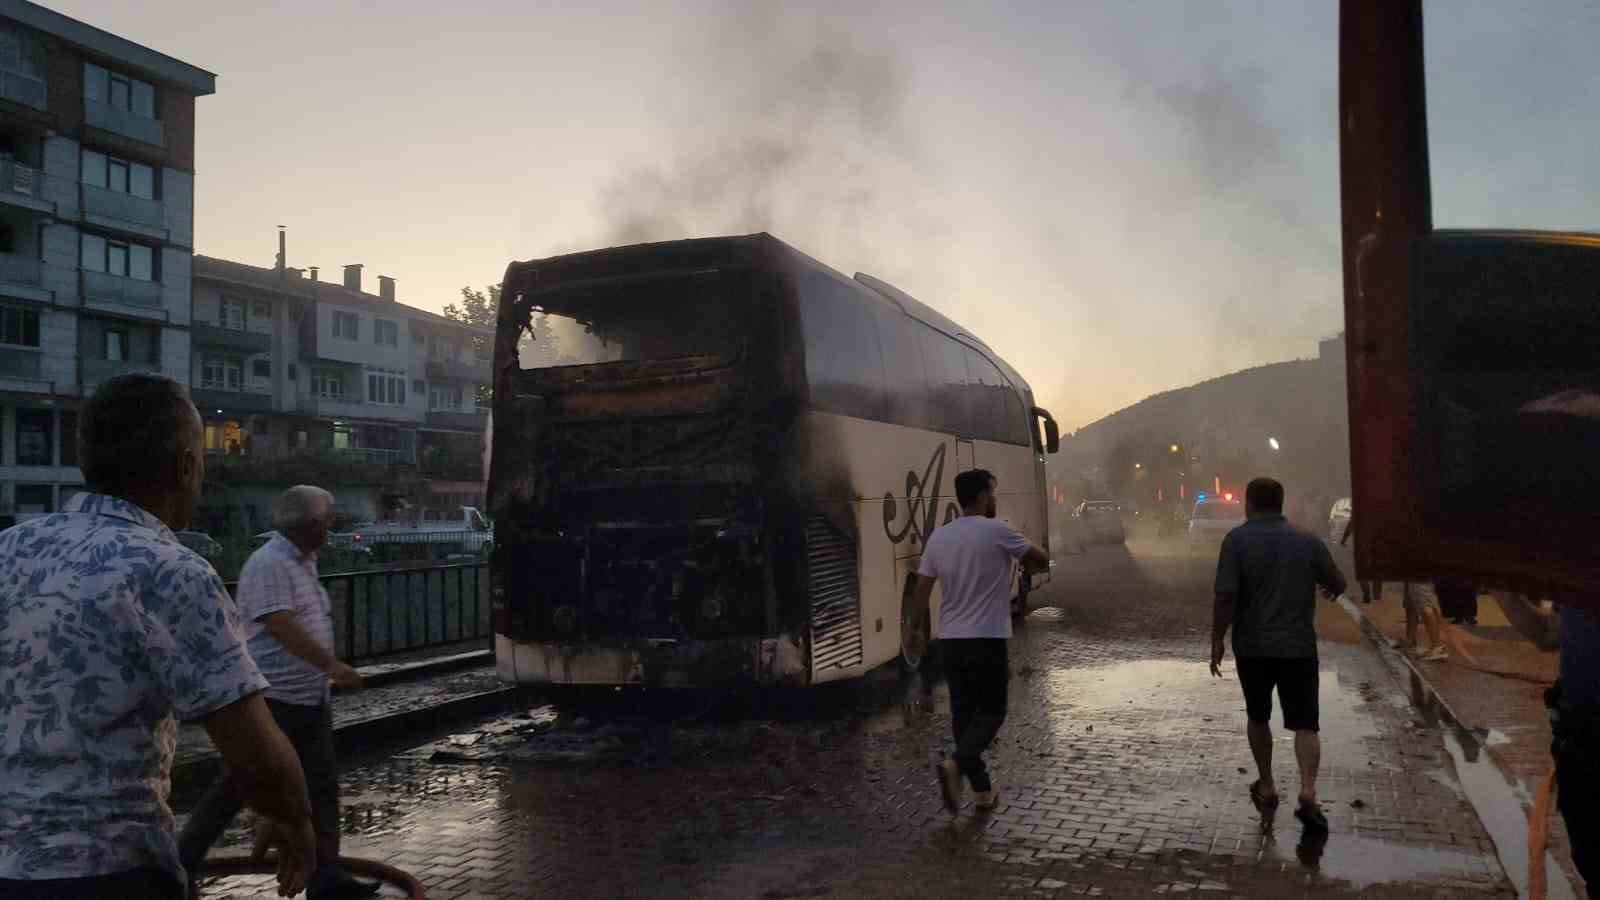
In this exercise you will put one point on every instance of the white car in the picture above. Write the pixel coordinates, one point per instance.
(1339, 518)
(1212, 520)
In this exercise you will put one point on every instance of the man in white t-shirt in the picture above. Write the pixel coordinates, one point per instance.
(971, 558)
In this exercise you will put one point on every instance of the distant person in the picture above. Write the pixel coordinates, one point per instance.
(1268, 574)
(1573, 628)
(1370, 590)
(291, 638)
(971, 559)
(111, 628)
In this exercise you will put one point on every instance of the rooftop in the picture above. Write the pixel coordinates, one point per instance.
(158, 66)
(291, 283)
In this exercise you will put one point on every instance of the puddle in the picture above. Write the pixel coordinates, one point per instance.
(1363, 862)
(1499, 805)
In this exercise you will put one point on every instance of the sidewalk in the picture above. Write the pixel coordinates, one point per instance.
(417, 694)
(1495, 688)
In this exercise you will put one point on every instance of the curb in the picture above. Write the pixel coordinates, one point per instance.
(376, 674)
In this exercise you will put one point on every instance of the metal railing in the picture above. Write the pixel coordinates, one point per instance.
(111, 204)
(117, 289)
(124, 122)
(383, 612)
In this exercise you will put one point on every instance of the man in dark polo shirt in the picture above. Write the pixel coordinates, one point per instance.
(1267, 579)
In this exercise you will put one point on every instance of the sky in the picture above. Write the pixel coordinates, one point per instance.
(1120, 198)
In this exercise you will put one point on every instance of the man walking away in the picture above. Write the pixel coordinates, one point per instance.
(108, 629)
(1574, 703)
(970, 557)
(291, 638)
(1267, 578)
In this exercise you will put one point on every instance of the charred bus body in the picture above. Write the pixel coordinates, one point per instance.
(716, 462)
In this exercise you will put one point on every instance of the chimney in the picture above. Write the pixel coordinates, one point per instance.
(386, 288)
(283, 252)
(313, 271)
(352, 276)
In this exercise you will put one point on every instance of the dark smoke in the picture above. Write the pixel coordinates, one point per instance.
(799, 129)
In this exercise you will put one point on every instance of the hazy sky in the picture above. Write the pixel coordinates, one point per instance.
(1120, 197)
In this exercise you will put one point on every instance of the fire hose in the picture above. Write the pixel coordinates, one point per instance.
(245, 865)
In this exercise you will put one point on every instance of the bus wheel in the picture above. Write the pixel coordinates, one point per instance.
(914, 628)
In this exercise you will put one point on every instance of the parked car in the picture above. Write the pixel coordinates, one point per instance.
(1102, 521)
(1338, 518)
(1211, 521)
(200, 542)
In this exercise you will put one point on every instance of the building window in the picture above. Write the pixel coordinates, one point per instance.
(419, 387)
(346, 326)
(261, 368)
(116, 345)
(126, 260)
(19, 327)
(443, 349)
(327, 383)
(118, 90)
(113, 173)
(35, 498)
(386, 332)
(233, 314)
(294, 373)
(69, 439)
(386, 386)
(261, 310)
(226, 437)
(445, 397)
(35, 430)
(222, 373)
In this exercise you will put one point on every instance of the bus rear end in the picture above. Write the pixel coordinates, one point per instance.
(636, 390)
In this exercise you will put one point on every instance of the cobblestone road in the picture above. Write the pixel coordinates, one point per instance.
(1122, 772)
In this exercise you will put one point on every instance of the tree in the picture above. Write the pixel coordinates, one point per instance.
(480, 309)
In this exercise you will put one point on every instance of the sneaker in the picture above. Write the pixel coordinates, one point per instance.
(983, 801)
(949, 777)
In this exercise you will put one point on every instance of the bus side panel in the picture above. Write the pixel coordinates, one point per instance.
(899, 484)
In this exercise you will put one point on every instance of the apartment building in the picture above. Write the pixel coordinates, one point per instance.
(304, 380)
(96, 232)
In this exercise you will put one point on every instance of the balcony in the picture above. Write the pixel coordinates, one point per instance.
(20, 364)
(326, 466)
(375, 457)
(24, 89)
(100, 287)
(19, 271)
(456, 370)
(230, 339)
(23, 186)
(94, 372)
(212, 397)
(463, 420)
(126, 212)
(347, 407)
(121, 121)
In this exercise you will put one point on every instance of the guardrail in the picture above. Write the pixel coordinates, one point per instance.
(387, 611)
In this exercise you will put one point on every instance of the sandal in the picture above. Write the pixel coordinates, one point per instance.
(1256, 797)
(1311, 816)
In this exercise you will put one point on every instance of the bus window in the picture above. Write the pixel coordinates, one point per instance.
(946, 365)
(843, 363)
(984, 388)
(1017, 431)
(905, 382)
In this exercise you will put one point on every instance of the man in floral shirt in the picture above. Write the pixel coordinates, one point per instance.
(109, 628)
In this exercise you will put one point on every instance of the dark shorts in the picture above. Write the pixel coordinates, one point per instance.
(1297, 684)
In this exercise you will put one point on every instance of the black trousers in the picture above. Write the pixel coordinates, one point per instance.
(1577, 787)
(979, 672)
(134, 884)
(310, 730)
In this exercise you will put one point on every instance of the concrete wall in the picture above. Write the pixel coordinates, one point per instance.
(176, 265)
(177, 203)
(58, 335)
(175, 352)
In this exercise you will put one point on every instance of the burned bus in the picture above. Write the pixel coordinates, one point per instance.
(714, 463)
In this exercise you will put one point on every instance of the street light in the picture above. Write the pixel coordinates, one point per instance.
(1138, 465)
(1174, 448)
(1273, 443)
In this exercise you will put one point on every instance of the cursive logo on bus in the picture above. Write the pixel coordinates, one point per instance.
(921, 503)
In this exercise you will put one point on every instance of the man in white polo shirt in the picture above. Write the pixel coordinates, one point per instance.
(290, 631)
(971, 559)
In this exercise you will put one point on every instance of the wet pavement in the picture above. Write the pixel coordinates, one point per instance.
(1123, 772)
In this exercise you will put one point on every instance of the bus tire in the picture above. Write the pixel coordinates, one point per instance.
(915, 625)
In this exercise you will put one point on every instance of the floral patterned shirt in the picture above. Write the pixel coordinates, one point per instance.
(108, 629)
